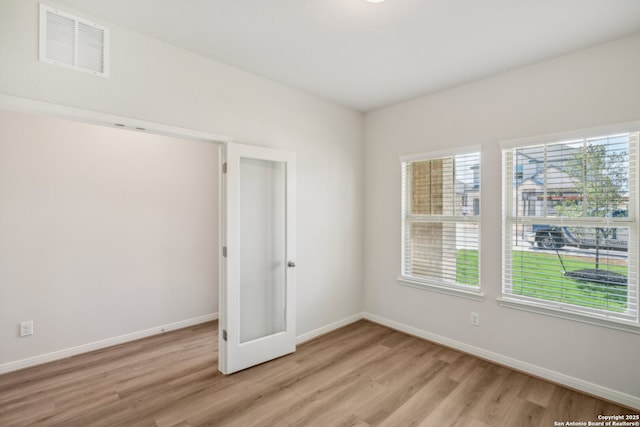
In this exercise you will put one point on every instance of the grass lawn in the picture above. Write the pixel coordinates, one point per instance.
(467, 267)
(540, 275)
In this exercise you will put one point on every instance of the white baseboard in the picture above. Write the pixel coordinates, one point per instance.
(556, 377)
(537, 371)
(85, 348)
(326, 329)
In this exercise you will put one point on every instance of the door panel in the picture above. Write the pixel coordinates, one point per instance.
(257, 290)
(262, 248)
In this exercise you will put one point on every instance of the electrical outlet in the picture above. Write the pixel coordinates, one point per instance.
(475, 318)
(26, 328)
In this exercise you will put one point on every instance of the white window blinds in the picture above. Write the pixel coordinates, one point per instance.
(440, 220)
(570, 235)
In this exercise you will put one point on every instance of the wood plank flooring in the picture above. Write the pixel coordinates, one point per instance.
(361, 375)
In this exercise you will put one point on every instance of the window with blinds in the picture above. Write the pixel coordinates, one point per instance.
(440, 220)
(570, 222)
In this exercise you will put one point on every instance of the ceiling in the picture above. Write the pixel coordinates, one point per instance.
(366, 56)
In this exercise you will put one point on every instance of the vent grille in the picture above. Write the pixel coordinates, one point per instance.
(73, 42)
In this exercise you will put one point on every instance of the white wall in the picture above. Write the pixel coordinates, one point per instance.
(154, 81)
(103, 232)
(598, 86)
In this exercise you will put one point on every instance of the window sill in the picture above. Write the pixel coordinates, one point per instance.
(568, 315)
(446, 290)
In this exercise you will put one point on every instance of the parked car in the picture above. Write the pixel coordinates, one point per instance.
(546, 236)
(556, 237)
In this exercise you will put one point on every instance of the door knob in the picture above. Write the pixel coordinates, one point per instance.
(291, 264)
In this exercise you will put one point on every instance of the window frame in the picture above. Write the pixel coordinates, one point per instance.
(600, 317)
(434, 285)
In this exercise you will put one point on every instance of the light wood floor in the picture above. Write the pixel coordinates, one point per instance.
(361, 375)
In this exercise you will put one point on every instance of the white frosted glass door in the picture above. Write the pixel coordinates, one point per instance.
(257, 291)
(262, 248)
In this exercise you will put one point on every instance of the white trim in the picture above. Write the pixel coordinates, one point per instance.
(453, 218)
(331, 327)
(222, 265)
(442, 153)
(537, 371)
(25, 105)
(564, 313)
(85, 348)
(627, 322)
(456, 291)
(97, 345)
(547, 374)
(633, 126)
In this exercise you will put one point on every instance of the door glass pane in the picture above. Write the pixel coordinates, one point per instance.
(262, 248)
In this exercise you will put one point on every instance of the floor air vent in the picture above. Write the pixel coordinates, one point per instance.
(73, 42)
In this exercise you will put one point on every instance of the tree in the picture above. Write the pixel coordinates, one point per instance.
(601, 174)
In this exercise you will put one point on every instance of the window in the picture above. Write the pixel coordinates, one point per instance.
(571, 226)
(440, 221)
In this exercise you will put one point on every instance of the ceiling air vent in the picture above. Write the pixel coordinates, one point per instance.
(73, 42)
